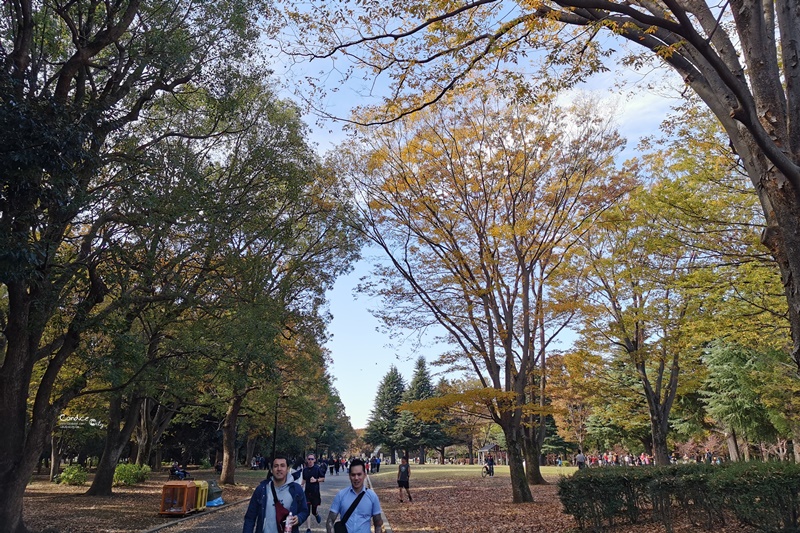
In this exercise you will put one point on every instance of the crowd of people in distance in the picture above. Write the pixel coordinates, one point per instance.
(628, 459)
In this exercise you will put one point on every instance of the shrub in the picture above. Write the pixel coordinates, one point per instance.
(130, 474)
(762, 495)
(598, 496)
(765, 496)
(73, 475)
(205, 463)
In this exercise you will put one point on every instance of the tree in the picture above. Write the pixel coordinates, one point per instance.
(333, 432)
(574, 382)
(732, 398)
(636, 307)
(75, 77)
(739, 58)
(459, 407)
(385, 414)
(411, 431)
(476, 206)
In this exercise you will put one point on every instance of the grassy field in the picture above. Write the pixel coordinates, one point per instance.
(430, 472)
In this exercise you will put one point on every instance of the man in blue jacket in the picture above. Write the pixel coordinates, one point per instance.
(262, 512)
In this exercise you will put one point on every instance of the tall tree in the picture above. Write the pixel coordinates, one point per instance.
(412, 431)
(477, 206)
(740, 58)
(574, 381)
(460, 409)
(636, 308)
(733, 399)
(75, 76)
(385, 414)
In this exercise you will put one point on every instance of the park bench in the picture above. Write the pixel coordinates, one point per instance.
(178, 474)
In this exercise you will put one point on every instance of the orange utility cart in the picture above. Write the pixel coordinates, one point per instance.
(178, 498)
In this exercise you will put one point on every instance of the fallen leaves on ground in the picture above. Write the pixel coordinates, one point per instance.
(455, 505)
(443, 504)
(66, 509)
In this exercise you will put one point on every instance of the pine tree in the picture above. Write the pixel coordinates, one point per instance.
(383, 419)
(410, 431)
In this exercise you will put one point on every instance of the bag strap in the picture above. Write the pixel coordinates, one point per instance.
(353, 506)
(275, 502)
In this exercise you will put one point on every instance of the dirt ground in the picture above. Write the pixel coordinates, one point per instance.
(442, 503)
(65, 509)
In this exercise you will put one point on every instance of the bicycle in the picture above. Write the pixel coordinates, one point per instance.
(485, 471)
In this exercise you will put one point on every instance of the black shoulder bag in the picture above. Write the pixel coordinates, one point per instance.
(340, 527)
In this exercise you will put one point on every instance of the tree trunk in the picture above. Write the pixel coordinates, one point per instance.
(144, 434)
(155, 460)
(781, 204)
(532, 450)
(118, 434)
(55, 456)
(796, 444)
(471, 452)
(520, 490)
(22, 440)
(659, 429)
(152, 424)
(229, 441)
(250, 448)
(733, 446)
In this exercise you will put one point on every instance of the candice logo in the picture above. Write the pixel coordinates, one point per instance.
(76, 421)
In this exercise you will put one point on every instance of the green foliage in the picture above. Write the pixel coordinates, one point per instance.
(73, 475)
(385, 414)
(761, 495)
(598, 496)
(731, 391)
(410, 430)
(131, 474)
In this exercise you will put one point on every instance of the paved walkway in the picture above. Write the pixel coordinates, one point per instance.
(230, 518)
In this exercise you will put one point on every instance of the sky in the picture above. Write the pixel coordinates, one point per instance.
(361, 354)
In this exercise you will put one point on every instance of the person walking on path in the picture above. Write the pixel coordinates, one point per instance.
(313, 475)
(267, 511)
(403, 474)
(367, 509)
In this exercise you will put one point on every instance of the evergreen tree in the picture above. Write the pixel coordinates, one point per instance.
(411, 431)
(385, 413)
(732, 397)
(421, 386)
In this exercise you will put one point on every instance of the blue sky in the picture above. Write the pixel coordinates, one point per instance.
(361, 354)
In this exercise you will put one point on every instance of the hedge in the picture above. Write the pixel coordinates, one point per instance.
(760, 495)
